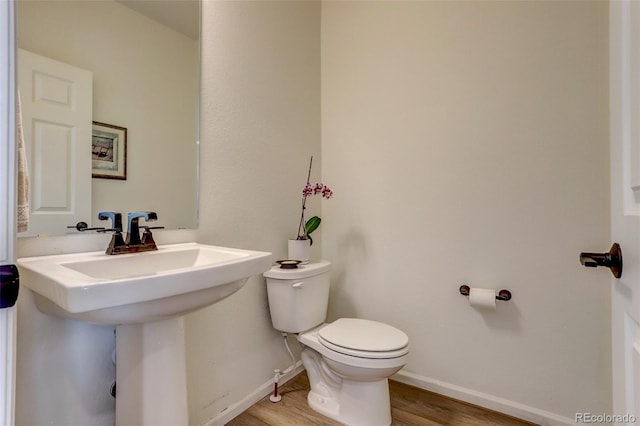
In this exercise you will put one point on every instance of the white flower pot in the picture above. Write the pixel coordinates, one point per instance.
(299, 250)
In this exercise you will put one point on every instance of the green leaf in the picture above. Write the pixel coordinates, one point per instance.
(312, 224)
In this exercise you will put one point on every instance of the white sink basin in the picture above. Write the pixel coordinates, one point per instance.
(138, 287)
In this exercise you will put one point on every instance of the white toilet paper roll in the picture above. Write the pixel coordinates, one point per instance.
(482, 298)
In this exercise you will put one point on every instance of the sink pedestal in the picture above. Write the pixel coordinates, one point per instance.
(151, 377)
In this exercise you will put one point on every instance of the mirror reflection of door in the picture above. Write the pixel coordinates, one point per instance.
(56, 105)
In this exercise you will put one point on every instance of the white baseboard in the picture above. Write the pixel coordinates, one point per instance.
(490, 402)
(263, 390)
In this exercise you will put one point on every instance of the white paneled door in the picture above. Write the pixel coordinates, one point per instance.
(624, 74)
(56, 114)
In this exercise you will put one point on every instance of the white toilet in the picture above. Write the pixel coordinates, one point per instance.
(349, 360)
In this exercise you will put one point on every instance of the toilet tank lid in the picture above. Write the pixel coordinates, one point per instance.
(302, 271)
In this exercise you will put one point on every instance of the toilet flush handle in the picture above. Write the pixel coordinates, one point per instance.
(298, 285)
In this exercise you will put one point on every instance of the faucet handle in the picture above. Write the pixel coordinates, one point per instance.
(147, 236)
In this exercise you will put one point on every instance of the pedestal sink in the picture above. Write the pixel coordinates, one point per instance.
(145, 295)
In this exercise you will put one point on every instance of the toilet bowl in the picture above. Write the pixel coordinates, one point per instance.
(349, 383)
(348, 361)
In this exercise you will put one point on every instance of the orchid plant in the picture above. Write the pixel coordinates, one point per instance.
(306, 228)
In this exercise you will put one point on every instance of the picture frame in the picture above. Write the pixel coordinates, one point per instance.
(108, 151)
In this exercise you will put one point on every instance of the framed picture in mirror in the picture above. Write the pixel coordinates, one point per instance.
(109, 151)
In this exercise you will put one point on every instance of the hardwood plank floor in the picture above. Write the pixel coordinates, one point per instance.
(410, 406)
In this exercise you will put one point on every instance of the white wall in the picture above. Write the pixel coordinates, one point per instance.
(144, 79)
(467, 142)
(64, 370)
(260, 124)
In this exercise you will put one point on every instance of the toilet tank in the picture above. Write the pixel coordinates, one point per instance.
(298, 298)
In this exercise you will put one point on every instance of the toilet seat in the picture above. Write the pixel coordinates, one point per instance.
(364, 339)
(361, 359)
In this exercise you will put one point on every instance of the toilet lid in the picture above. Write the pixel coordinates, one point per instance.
(364, 335)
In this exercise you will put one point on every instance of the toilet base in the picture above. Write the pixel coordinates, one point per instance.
(359, 404)
(324, 405)
(349, 389)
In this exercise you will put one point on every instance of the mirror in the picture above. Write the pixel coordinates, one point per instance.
(144, 58)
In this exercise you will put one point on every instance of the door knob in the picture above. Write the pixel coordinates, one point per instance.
(612, 260)
(9, 285)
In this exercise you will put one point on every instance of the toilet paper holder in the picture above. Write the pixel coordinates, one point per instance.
(503, 295)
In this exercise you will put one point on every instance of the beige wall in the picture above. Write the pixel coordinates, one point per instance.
(467, 142)
(260, 124)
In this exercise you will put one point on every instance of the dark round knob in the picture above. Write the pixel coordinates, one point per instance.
(80, 226)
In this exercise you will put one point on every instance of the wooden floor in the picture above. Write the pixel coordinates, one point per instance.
(410, 406)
